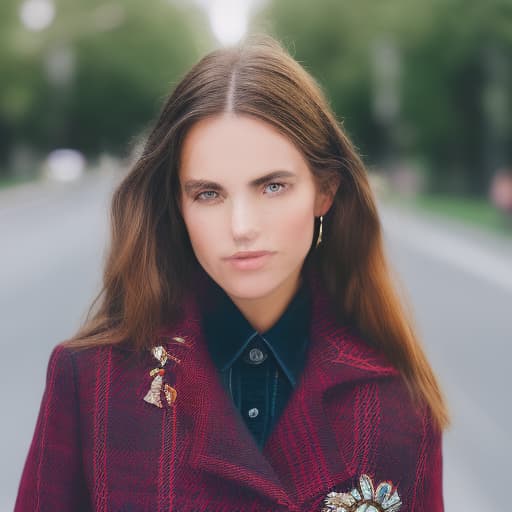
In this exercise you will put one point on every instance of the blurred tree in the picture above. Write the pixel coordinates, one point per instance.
(328, 38)
(444, 94)
(21, 82)
(442, 114)
(97, 75)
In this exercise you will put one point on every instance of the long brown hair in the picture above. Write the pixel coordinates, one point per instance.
(150, 260)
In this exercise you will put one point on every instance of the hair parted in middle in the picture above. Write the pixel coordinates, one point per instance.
(151, 261)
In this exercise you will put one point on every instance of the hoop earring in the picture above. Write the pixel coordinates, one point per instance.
(319, 239)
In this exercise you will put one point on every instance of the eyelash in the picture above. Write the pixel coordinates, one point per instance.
(283, 187)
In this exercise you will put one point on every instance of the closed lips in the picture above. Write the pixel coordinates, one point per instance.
(249, 255)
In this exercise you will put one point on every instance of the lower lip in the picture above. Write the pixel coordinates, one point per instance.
(249, 263)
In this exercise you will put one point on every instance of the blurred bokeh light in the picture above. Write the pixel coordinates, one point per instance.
(37, 14)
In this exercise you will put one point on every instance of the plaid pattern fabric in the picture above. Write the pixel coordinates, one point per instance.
(98, 446)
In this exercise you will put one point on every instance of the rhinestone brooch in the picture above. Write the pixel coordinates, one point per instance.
(364, 498)
(154, 395)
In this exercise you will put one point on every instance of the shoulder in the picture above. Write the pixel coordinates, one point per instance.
(406, 419)
(77, 370)
(405, 422)
(63, 360)
(410, 445)
(86, 358)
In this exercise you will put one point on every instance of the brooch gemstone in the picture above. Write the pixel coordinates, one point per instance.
(364, 498)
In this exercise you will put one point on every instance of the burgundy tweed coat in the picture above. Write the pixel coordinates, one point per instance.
(98, 446)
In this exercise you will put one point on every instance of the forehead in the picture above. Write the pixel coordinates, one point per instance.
(231, 145)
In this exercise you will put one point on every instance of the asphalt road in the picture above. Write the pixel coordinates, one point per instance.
(457, 279)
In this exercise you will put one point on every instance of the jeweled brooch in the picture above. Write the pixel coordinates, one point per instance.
(364, 498)
(154, 395)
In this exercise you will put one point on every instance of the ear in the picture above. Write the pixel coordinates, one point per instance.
(324, 199)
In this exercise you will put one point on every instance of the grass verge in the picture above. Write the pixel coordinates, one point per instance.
(477, 212)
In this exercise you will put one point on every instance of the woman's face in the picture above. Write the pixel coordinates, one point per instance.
(228, 204)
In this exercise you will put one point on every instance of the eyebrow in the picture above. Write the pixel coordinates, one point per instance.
(192, 186)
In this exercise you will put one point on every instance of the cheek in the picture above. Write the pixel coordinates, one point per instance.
(297, 222)
(203, 232)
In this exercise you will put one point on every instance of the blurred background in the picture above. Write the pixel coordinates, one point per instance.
(424, 90)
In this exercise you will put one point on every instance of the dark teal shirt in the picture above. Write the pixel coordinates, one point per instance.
(259, 370)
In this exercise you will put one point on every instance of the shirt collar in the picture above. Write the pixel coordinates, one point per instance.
(228, 332)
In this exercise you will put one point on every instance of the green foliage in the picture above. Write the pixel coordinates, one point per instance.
(123, 56)
(444, 49)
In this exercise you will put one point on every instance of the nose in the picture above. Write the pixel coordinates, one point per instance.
(244, 220)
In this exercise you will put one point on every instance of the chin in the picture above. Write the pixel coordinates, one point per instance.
(250, 286)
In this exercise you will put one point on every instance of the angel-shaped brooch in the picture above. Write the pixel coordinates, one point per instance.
(154, 395)
(364, 498)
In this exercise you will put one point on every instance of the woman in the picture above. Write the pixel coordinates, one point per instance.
(210, 381)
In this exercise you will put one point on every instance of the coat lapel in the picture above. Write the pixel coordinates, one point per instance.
(315, 443)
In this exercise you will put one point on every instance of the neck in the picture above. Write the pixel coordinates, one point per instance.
(262, 313)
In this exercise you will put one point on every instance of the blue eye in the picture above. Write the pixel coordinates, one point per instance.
(281, 185)
(200, 196)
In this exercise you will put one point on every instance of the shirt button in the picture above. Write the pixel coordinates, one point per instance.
(256, 355)
(253, 412)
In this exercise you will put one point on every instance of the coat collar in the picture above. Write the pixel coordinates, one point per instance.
(303, 447)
